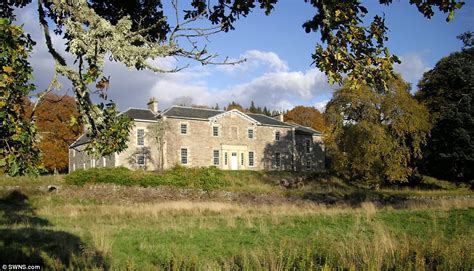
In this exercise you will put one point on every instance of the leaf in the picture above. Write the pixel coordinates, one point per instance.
(7, 69)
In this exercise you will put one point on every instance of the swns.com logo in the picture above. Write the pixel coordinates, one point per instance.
(21, 267)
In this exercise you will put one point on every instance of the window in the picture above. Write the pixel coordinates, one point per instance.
(215, 155)
(184, 129)
(277, 159)
(242, 159)
(141, 160)
(225, 158)
(277, 135)
(184, 156)
(140, 137)
(250, 133)
(215, 131)
(307, 145)
(308, 165)
(251, 159)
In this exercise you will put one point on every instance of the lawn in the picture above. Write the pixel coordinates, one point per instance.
(324, 225)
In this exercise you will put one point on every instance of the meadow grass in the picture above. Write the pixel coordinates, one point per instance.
(324, 230)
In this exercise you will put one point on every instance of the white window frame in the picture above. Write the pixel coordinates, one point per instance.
(307, 146)
(181, 156)
(141, 155)
(93, 163)
(278, 159)
(181, 130)
(142, 137)
(251, 162)
(104, 161)
(216, 160)
(248, 133)
(277, 135)
(218, 131)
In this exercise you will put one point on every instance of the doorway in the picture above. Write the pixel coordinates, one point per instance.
(234, 161)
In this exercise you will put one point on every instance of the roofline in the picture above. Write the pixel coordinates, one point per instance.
(136, 108)
(142, 120)
(76, 140)
(198, 108)
(186, 118)
(238, 112)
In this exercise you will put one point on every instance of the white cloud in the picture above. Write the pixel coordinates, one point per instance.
(269, 81)
(412, 67)
(256, 59)
(321, 106)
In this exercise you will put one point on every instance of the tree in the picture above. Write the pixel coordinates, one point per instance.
(157, 133)
(306, 116)
(234, 105)
(19, 154)
(57, 130)
(448, 93)
(134, 32)
(375, 134)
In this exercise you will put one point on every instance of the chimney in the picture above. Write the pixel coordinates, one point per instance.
(153, 105)
(279, 117)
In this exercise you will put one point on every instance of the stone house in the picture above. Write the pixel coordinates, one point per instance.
(197, 137)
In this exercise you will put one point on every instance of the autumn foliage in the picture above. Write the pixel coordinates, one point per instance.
(306, 116)
(57, 130)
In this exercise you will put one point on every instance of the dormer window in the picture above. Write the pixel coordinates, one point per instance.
(184, 129)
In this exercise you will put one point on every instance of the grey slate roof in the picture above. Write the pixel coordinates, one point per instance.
(266, 120)
(189, 112)
(140, 114)
(133, 113)
(305, 129)
(200, 113)
(83, 139)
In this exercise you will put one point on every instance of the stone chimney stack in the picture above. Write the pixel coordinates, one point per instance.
(153, 105)
(280, 117)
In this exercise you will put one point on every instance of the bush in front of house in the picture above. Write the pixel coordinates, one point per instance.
(119, 175)
(205, 177)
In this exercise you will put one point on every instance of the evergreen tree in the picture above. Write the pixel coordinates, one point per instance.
(447, 91)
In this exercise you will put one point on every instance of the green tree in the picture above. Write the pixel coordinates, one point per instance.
(375, 134)
(19, 153)
(448, 92)
(133, 32)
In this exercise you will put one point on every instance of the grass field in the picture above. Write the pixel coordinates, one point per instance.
(324, 225)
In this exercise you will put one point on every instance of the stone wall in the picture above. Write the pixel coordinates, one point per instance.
(79, 159)
(232, 139)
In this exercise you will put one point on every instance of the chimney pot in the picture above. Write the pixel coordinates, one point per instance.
(153, 105)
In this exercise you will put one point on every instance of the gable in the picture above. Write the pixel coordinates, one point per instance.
(232, 114)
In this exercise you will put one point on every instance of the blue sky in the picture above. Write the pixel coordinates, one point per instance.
(278, 73)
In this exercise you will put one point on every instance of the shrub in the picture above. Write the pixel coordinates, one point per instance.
(118, 175)
(205, 178)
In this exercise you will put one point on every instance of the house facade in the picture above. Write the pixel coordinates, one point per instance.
(197, 137)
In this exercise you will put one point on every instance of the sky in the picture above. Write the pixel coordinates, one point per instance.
(278, 73)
